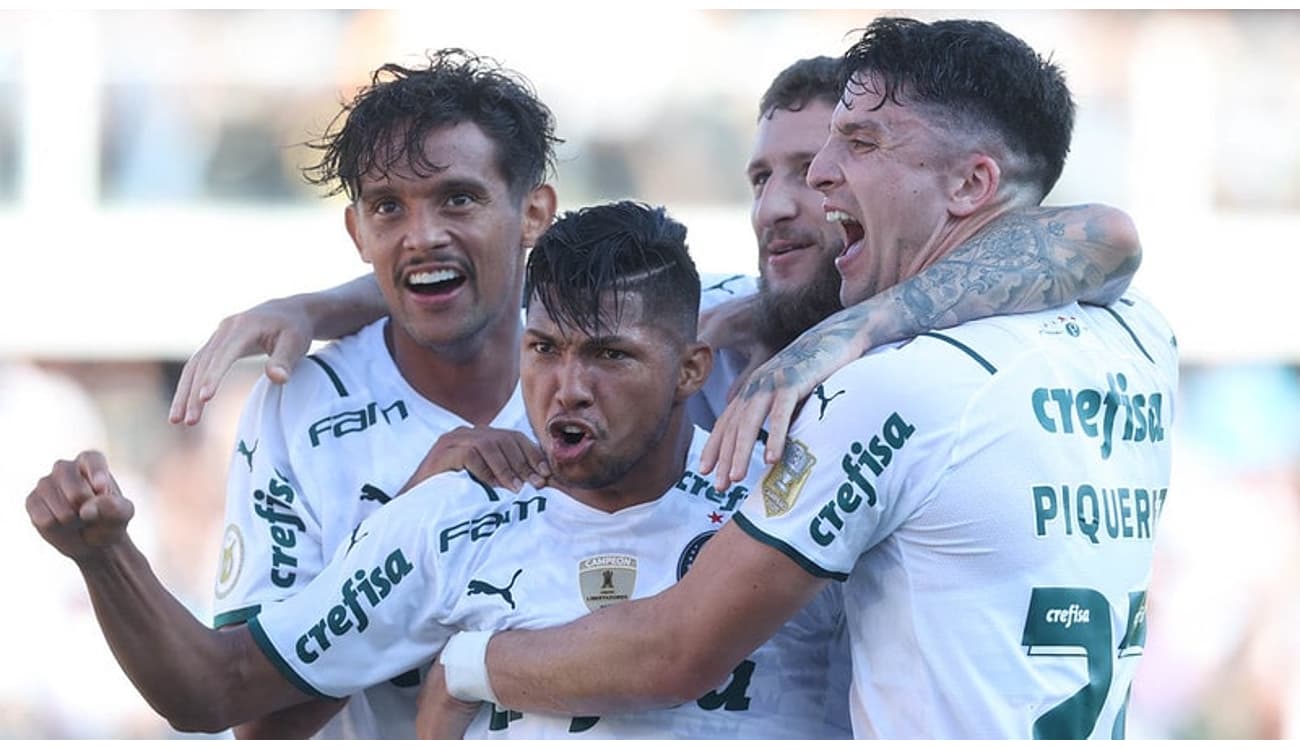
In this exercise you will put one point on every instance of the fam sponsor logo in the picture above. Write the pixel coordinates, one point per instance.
(606, 579)
(857, 489)
(359, 596)
(232, 561)
(357, 420)
(1096, 413)
(275, 506)
(487, 524)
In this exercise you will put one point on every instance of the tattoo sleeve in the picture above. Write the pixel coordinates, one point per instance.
(1028, 260)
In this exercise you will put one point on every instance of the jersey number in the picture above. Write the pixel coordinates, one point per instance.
(1063, 621)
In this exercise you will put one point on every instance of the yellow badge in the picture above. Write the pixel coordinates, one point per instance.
(232, 561)
(782, 483)
(606, 580)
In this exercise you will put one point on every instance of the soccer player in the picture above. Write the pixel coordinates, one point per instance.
(989, 493)
(1088, 252)
(445, 166)
(610, 357)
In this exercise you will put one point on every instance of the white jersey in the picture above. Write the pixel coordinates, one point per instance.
(990, 492)
(706, 405)
(453, 555)
(314, 457)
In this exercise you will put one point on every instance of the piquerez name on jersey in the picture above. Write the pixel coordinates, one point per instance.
(454, 555)
(990, 493)
(312, 459)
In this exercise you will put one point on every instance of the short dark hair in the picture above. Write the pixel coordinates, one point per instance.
(814, 79)
(624, 248)
(981, 75)
(455, 87)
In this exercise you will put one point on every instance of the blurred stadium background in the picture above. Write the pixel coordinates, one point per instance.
(149, 187)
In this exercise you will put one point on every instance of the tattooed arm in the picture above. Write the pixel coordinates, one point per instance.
(1028, 260)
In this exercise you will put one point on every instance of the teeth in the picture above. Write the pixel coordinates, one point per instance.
(571, 430)
(432, 277)
(839, 216)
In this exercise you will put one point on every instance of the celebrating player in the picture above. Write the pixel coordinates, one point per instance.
(990, 493)
(610, 358)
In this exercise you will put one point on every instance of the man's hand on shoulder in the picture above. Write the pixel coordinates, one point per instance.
(496, 457)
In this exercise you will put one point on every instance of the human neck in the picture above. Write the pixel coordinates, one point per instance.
(472, 379)
(956, 232)
(650, 478)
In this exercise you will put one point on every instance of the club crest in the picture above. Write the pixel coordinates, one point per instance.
(232, 561)
(606, 579)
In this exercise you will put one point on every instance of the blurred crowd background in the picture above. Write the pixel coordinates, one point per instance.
(149, 186)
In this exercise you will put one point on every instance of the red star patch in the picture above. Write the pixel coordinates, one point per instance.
(715, 517)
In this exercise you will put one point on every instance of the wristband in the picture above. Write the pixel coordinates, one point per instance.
(464, 661)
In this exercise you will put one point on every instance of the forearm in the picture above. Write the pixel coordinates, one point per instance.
(660, 651)
(618, 659)
(294, 723)
(1025, 261)
(176, 663)
(344, 309)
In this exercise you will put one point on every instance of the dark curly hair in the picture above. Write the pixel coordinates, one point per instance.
(815, 79)
(624, 248)
(981, 76)
(386, 124)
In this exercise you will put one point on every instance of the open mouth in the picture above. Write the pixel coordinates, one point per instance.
(435, 283)
(853, 232)
(570, 440)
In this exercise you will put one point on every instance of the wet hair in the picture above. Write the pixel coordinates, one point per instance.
(814, 79)
(981, 78)
(386, 123)
(624, 248)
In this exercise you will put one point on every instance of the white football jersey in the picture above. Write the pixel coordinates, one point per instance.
(990, 493)
(314, 457)
(452, 554)
(705, 406)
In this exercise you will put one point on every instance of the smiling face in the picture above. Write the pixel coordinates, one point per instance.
(797, 247)
(447, 248)
(602, 403)
(887, 175)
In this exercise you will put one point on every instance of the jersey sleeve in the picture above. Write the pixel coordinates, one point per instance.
(866, 452)
(272, 543)
(373, 612)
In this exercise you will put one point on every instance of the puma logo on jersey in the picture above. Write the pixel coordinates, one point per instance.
(820, 393)
(721, 286)
(483, 587)
(247, 452)
(371, 492)
(352, 542)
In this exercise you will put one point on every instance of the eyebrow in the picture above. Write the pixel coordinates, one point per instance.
(859, 125)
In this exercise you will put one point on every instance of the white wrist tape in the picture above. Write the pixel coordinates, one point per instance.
(464, 660)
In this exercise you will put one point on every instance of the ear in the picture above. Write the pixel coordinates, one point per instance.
(979, 181)
(350, 221)
(696, 364)
(539, 212)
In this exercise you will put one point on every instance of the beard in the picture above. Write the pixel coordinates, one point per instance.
(784, 316)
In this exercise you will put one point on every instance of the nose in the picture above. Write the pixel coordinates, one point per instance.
(574, 387)
(425, 230)
(775, 204)
(823, 174)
